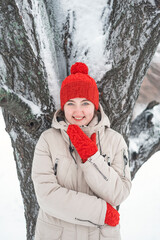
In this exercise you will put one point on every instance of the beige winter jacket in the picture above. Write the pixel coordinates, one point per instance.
(72, 196)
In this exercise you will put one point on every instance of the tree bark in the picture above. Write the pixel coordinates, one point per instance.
(38, 44)
(144, 136)
(133, 38)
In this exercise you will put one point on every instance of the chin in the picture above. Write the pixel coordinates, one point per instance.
(79, 124)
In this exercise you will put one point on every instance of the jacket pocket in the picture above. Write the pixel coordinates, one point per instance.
(47, 231)
(66, 172)
(110, 233)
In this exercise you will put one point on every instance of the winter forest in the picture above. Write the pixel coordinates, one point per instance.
(118, 40)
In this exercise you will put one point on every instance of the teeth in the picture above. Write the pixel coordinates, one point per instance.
(78, 118)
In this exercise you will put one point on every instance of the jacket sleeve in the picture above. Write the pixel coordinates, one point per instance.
(68, 205)
(111, 183)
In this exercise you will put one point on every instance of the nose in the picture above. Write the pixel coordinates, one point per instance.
(78, 110)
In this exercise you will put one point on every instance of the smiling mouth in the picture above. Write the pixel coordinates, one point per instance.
(78, 118)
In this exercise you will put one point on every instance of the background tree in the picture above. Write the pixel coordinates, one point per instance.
(41, 39)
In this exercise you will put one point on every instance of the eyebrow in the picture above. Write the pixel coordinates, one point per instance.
(85, 100)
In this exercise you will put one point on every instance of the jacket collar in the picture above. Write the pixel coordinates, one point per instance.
(98, 124)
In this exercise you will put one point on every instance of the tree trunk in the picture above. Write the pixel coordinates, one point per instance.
(40, 40)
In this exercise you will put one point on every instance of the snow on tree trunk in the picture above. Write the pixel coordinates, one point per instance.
(144, 137)
(41, 39)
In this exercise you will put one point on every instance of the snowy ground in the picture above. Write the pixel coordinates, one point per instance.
(140, 213)
(12, 222)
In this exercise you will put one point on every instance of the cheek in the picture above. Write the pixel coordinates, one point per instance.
(67, 113)
(91, 114)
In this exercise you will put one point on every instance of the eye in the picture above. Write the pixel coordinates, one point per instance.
(70, 104)
(85, 103)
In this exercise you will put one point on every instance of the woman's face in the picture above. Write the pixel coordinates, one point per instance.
(79, 111)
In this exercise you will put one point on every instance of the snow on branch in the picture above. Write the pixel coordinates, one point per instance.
(23, 110)
(144, 137)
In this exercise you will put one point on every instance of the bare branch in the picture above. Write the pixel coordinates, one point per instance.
(20, 110)
(144, 136)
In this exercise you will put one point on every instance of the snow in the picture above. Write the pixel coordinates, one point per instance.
(137, 142)
(2, 69)
(34, 108)
(140, 218)
(91, 36)
(151, 1)
(13, 134)
(156, 116)
(139, 107)
(156, 55)
(12, 222)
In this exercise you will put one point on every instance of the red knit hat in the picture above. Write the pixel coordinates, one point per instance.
(79, 85)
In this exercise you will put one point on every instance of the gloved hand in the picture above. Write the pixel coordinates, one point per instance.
(85, 146)
(112, 216)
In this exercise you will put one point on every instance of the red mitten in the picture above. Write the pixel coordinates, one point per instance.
(112, 216)
(93, 137)
(83, 144)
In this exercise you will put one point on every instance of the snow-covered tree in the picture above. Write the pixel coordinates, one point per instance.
(41, 39)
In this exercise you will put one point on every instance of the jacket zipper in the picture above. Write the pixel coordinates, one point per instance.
(90, 160)
(125, 159)
(99, 226)
(55, 166)
(109, 161)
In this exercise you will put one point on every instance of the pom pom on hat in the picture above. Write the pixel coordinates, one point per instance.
(79, 67)
(79, 85)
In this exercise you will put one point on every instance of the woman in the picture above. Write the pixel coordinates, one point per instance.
(80, 169)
